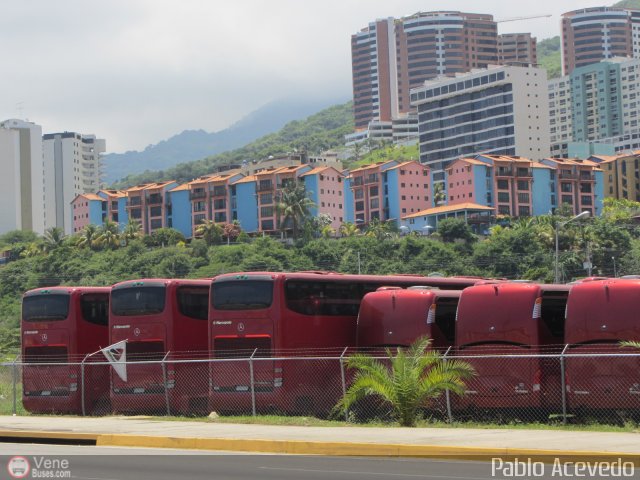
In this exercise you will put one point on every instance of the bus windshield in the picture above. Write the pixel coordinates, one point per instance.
(138, 300)
(242, 295)
(48, 307)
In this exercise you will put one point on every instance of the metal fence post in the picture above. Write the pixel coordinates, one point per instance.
(563, 383)
(447, 393)
(166, 384)
(15, 385)
(344, 381)
(253, 389)
(84, 413)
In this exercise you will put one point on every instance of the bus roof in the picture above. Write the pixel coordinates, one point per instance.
(605, 310)
(63, 289)
(162, 281)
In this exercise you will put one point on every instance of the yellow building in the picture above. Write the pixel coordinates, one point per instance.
(621, 175)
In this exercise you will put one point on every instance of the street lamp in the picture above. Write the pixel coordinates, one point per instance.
(585, 214)
(615, 272)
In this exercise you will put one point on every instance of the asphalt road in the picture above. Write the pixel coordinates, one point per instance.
(107, 463)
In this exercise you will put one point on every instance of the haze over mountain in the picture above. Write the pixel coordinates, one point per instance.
(197, 144)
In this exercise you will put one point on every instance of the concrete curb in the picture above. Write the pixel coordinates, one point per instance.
(325, 448)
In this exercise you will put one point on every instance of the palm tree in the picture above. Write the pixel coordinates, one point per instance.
(132, 230)
(88, 237)
(378, 229)
(294, 206)
(439, 195)
(629, 343)
(327, 232)
(210, 231)
(108, 236)
(415, 377)
(349, 229)
(53, 238)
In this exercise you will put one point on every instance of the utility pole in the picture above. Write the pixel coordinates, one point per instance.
(359, 263)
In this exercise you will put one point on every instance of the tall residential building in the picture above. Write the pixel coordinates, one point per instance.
(22, 184)
(499, 110)
(596, 103)
(590, 35)
(391, 56)
(517, 48)
(72, 165)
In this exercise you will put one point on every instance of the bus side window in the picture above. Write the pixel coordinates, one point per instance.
(95, 308)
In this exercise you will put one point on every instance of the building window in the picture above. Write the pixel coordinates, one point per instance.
(503, 197)
(266, 211)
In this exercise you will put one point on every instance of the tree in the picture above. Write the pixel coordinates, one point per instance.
(108, 236)
(349, 229)
(231, 231)
(451, 229)
(89, 236)
(378, 229)
(132, 230)
(439, 195)
(210, 231)
(415, 377)
(53, 238)
(294, 207)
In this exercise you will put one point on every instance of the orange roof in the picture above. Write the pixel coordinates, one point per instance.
(114, 193)
(541, 165)
(315, 170)
(373, 165)
(404, 164)
(507, 158)
(471, 161)
(184, 186)
(608, 158)
(574, 161)
(247, 179)
(449, 209)
(90, 196)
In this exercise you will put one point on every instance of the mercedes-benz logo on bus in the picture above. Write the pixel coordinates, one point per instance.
(241, 327)
(136, 332)
(44, 337)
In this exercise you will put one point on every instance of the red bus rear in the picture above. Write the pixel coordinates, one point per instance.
(599, 316)
(512, 319)
(288, 314)
(166, 320)
(60, 326)
(397, 317)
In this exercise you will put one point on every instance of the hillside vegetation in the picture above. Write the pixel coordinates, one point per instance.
(549, 56)
(319, 132)
(523, 249)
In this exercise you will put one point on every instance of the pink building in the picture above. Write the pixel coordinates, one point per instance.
(579, 183)
(389, 190)
(324, 186)
(86, 209)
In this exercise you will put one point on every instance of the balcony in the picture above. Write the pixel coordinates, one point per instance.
(504, 172)
(135, 201)
(357, 182)
(372, 179)
(195, 194)
(524, 172)
(568, 175)
(154, 199)
(587, 177)
(265, 187)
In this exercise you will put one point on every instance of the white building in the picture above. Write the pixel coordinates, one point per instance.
(560, 116)
(72, 167)
(22, 189)
(497, 110)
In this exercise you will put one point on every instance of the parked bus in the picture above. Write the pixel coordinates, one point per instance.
(268, 315)
(60, 327)
(396, 317)
(599, 316)
(512, 319)
(161, 319)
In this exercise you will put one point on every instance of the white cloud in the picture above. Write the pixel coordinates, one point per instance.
(138, 71)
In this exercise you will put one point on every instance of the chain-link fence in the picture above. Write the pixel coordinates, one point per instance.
(577, 385)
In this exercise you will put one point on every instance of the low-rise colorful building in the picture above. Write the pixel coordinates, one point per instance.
(149, 204)
(621, 175)
(324, 186)
(578, 183)
(387, 191)
(97, 208)
(211, 198)
(425, 222)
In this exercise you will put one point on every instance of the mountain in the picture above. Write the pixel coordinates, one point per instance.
(196, 144)
(549, 56)
(321, 131)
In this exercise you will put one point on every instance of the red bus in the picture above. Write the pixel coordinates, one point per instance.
(62, 325)
(512, 319)
(289, 314)
(166, 320)
(397, 317)
(599, 316)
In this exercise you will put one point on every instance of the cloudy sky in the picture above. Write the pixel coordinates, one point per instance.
(138, 71)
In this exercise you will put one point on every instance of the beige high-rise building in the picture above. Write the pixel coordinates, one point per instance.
(72, 167)
(22, 187)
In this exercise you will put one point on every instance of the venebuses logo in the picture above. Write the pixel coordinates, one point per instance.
(18, 467)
